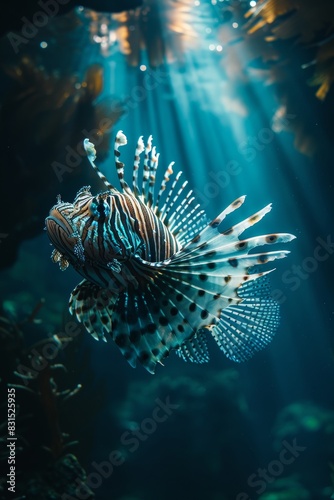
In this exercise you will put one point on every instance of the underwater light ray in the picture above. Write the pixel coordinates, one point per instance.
(181, 122)
(209, 130)
(309, 206)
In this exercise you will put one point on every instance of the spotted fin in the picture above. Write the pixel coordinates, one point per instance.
(135, 321)
(93, 307)
(206, 287)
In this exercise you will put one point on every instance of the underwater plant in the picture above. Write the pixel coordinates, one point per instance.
(57, 104)
(44, 468)
(308, 24)
(157, 31)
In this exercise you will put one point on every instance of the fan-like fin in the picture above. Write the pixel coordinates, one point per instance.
(135, 329)
(146, 169)
(93, 306)
(196, 348)
(205, 285)
(211, 230)
(139, 149)
(249, 326)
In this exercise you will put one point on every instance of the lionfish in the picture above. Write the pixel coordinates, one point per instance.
(157, 276)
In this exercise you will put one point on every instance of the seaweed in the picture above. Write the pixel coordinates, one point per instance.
(44, 466)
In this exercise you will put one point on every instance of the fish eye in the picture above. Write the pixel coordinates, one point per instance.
(93, 208)
(99, 208)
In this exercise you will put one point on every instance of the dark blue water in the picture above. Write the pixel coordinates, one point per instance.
(219, 431)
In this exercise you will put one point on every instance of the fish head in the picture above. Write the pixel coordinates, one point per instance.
(64, 235)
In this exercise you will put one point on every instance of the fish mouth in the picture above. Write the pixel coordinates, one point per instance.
(60, 232)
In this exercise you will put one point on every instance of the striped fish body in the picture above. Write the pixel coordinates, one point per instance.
(103, 235)
(157, 276)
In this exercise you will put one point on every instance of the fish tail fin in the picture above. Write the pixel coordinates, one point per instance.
(196, 348)
(249, 326)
